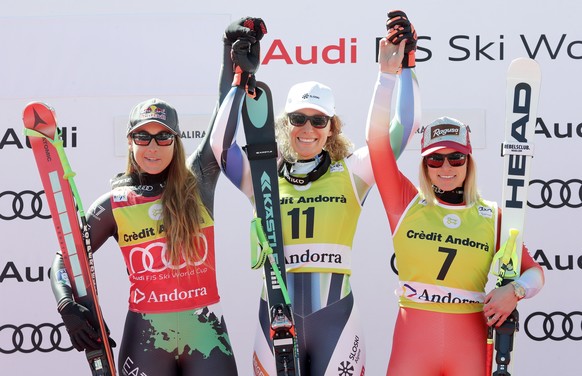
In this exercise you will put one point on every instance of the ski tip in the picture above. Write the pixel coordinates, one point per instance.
(263, 86)
(524, 67)
(40, 117)
(258, 111)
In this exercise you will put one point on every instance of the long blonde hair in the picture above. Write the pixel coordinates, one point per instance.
(181, 207)
(470, 191)
(337, 144)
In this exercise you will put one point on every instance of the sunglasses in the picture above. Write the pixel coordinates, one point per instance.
(317, 121)
(438, 160)
(144, 138)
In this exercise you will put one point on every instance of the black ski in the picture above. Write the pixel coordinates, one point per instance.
(261, 150)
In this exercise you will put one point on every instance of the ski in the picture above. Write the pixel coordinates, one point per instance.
(261, 150)
(517, 150)
(44, 136)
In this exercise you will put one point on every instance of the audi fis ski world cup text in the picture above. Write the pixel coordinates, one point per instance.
(461, 47)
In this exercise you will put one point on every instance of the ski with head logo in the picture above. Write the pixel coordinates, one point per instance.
(517, 150)
(261, 150)
(40, 126)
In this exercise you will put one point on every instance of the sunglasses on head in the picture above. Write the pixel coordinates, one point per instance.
(317, 121)
(144, 138)
(456, 159)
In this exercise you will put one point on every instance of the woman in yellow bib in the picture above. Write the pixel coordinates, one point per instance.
(445, 236)
(322, 186)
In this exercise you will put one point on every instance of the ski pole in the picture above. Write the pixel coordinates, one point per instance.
(504, 265)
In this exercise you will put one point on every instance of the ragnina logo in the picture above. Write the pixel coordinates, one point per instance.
(445, 130)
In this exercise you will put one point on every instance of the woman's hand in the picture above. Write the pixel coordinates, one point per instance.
(390, 56)
(499, 304)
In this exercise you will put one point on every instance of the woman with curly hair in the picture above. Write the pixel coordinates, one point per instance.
(323, 184)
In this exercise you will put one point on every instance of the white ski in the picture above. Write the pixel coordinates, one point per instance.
(517, 150)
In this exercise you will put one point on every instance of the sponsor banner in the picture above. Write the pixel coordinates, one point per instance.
(94, 62)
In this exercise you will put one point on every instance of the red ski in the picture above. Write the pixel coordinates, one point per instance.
(69, 221)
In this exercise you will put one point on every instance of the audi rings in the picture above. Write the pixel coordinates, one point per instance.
(28, 338)
(24, 205)
(555, 193)
(557, 326)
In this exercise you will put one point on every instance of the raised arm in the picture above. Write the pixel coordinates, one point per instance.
(204, 162)
(406, 119)
(386, 139)
(243, 38)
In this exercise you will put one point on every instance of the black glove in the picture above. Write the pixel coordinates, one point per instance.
(399, 29)
(81, 326)
(247, 27)
(246, 55)
(246, 50)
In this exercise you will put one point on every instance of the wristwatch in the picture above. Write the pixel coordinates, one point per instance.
(518, 290)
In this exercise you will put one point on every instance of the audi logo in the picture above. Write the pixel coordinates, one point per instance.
(24, 205)
(154, 259)
(555, 193)
(27, 338)
(556, 326)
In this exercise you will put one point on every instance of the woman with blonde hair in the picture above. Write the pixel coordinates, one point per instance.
(445, 236)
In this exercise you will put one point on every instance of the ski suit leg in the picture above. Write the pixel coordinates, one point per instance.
(433, 344)
(331, 341)
(185, 343)
(336, 340)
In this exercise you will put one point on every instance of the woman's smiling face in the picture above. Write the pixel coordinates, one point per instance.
(306, 140)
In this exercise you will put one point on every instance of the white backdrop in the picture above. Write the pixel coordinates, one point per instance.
(92, 61)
